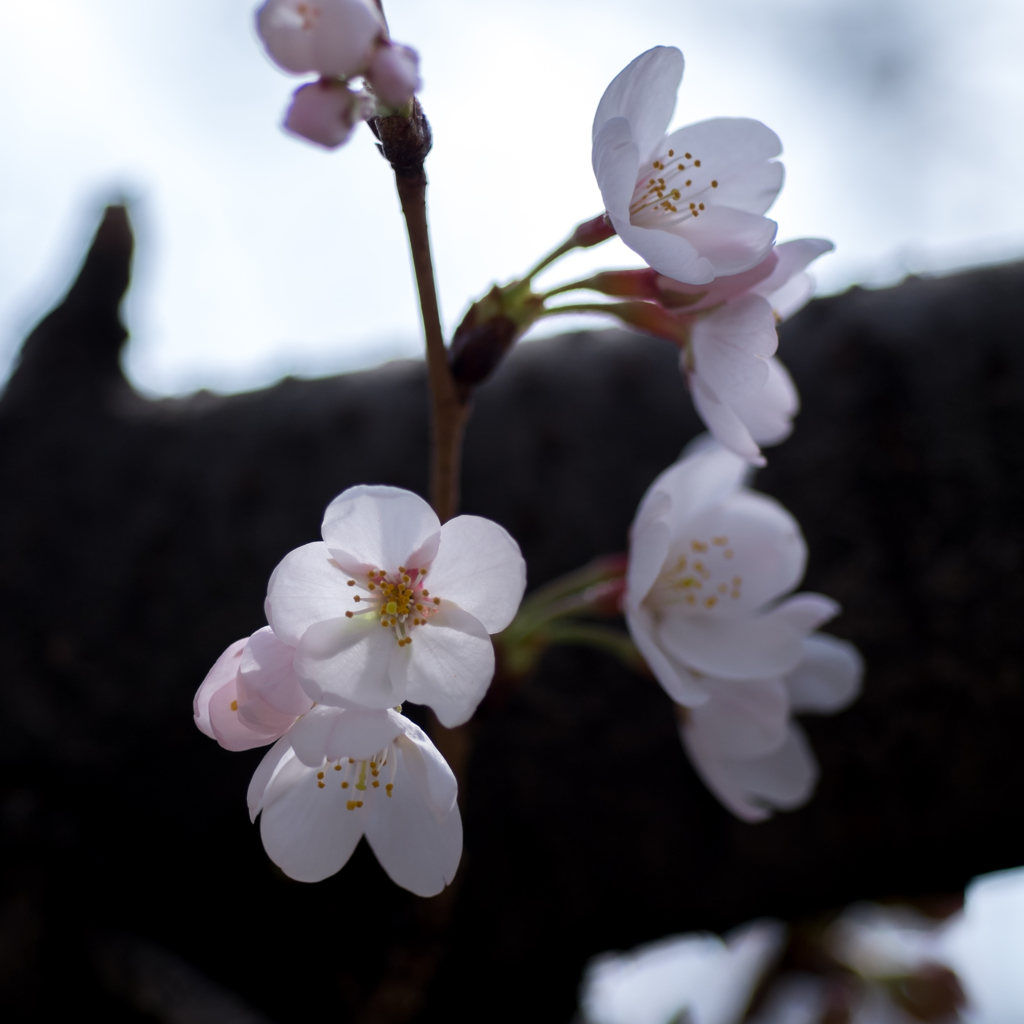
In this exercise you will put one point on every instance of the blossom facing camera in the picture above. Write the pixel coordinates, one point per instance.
(335, 38)
(325, 112)
(710, 563)
(340, 774)
(393, 606)
(251, 696)
(691, 203)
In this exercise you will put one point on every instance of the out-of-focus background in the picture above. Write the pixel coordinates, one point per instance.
(902, 120)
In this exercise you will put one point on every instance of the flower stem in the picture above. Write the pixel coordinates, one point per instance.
(449, 410)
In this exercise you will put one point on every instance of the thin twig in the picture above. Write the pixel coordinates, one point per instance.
(449, 410)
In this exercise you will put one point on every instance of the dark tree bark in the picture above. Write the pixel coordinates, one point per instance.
(136, 539)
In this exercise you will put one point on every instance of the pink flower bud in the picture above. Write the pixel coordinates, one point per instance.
(394, 74)
(325, 112)
(336, 38)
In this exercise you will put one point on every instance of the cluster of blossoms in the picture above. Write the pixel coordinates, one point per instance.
(711, 563)
(390, 606)
(339, 40)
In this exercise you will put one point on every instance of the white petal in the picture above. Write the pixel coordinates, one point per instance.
(616, 160)
(784, 779)
(717, 773)
(727, 428)
(310, 734)
(829, 676)
(644, 93)
(744, 719)
(345, 41)
(231, 730)
(308, 831)
(223, 673)
(700, 481)
(345, 661)
(676, 680)
(649, 539)
(670, 254)
(307, 586)
(448, 665)
(806, 612)
(730, 240)
(280, 26)
(256, 714)
(792, 296)
(793, 257)
(324, 112)
(380, 528)
(418, 850)
(272, 761)
(757, 550)
(480, 568)
(729, 346)
(748, 648)
(394, 74)
(768, 415)
(734, 152)
(428, 770)
(360, 733)
(267, 672)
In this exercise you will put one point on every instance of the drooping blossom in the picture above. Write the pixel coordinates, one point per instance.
(743, 741)
(338, 40)
(699, 979)
(725, 331)
(691, 203)
(393, 606)
(251, 696)
(341, 773)
(710, 562)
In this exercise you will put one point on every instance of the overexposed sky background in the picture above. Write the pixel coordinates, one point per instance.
(902, 121)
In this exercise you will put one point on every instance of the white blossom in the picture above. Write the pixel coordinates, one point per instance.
(342, 773)
(690, 203)
(393, 606)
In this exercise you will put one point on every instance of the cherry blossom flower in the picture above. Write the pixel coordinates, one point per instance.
(743, 742)
(694, 978)
(392, 606)
(325, 112)
(342, 773)
(690, 203)
(710, 563)
(251, 696)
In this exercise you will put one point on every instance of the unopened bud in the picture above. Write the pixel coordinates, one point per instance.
(591, 232)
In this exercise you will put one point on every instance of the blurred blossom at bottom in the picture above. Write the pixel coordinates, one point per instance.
(873, 964)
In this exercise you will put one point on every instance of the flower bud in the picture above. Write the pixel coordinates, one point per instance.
(325, 112)
(394, 74)
(591, 232)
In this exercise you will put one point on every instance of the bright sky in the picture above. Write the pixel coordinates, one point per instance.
(902, 120)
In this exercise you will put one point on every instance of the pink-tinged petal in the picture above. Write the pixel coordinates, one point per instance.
(828, 678)
(673, 255)
(418, 850)
(223, 674)
(448, 665)
(308, 830)
(742, 718)
(675, 679)
(376, 527)
(698, 297)
(360, 733)
(750, 545)
(429, 771)
(734, 151)
(616, 159)
(480, 568)
(644, 93)
(731, 241)
(268, 768)
(258, 715)
(394, 74)
(230, 730)
(648, 545)
(730, 345)
(332, 37)
(784, 779)
(267, 672)
(307, 586)
(768, 415)
(746, 648)
(727, 428)
(345, 661)
(324, 112)
(806, 612)
(793, 257)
